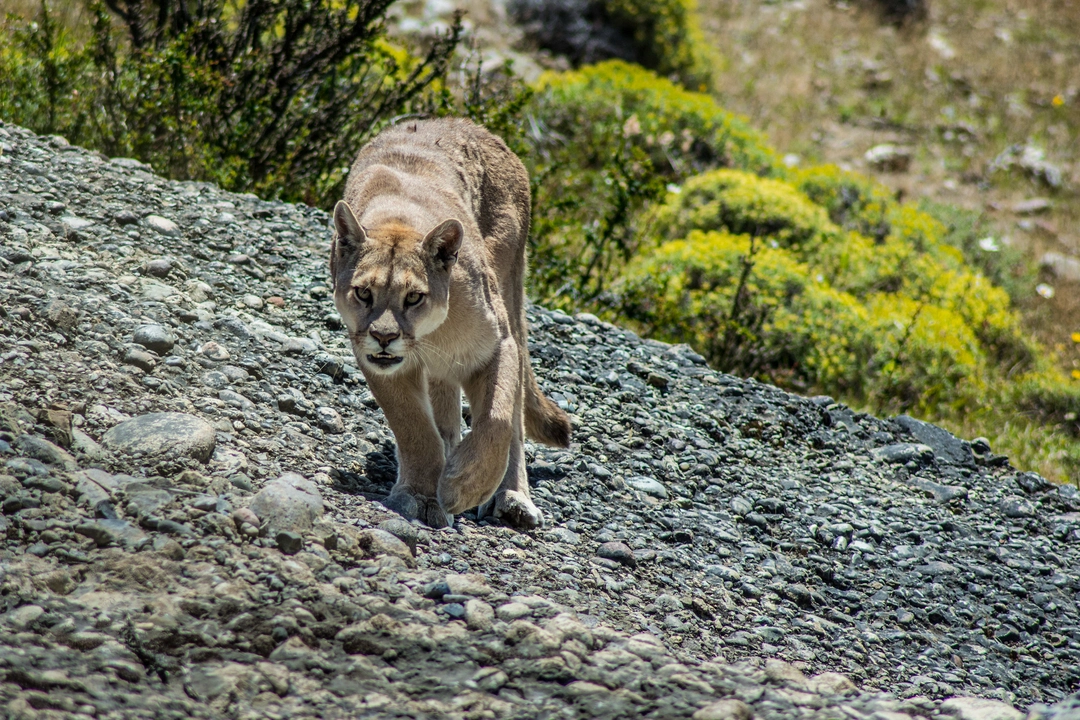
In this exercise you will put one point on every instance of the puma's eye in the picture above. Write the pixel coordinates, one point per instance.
(363, 295)
(413, 298)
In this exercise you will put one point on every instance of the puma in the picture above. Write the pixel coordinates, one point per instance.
(428, 268)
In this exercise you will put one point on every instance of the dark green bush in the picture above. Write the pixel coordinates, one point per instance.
(660, 35)
(274, 97)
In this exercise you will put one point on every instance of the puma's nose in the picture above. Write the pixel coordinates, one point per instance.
(384, 338)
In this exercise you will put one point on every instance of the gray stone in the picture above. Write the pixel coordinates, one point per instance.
(86, 446)
(512, 611)
(158, 267)
(831, 683)
(112, 532)
(154, 337)
(24, 617)
(478, 615)
(329, 420)
(902, 453)
(43, 450)
(403, 530)
(290, 503)
(163, 434)
(647, 485)
(617, 551)
(889, 158)
(162, 225)
(140, 359)
(946, 446)
(1016, 507)
(377, 542)
(942, 493)
(289, 542)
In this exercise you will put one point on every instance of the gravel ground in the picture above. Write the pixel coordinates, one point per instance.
(190, 469)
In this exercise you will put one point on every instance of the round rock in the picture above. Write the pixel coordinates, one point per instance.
(329, 420)
(163, 434)
(289, 504)
(154, 337)
(158, 267)
(617, 551)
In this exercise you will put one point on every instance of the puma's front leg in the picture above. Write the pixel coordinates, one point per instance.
(511, 502)
(420, 450)
(476, 467)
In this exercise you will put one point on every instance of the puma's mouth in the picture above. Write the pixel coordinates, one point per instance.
(384, 360)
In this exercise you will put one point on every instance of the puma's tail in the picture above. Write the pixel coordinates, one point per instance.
(544, 420)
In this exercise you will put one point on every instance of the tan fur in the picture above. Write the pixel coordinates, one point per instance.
(428, 266)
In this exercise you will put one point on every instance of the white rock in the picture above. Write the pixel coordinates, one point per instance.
(1064, 267)
(972, 708)
(163, 225)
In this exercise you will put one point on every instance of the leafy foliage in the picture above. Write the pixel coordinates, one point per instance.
(268, 98)
(605, 141)
(661, 35)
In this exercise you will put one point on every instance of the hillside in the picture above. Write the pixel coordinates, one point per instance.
(715, 547)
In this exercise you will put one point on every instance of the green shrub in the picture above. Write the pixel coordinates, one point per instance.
(666, 38)
(751, 310)
(742, 203)
(605, 141)
(271, 97)
(853, 202)
(583, 112)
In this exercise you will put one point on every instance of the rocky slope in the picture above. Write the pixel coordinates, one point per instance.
(190, 469)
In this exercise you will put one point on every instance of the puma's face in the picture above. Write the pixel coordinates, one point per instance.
(391, 287)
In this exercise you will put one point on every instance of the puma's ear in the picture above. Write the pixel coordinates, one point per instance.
(350, 235)
(444, 241)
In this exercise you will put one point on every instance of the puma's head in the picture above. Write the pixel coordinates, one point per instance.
(391, 285)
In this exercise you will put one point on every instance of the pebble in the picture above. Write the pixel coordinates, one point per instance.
(478, 615)
(329, 420)
(214, 351)
(377, 542)
(972, 708)
(728, 709)
(158, 267)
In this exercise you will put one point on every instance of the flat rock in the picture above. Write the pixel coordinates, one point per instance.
(45, 451)
(647, 485)
(163, 434)
(727, 709)
(972, 708)
(946, 446)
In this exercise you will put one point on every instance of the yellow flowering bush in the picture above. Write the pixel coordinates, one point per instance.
(743, 203)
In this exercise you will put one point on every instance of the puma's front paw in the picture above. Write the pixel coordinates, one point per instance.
(514, 509)
(412, 505)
